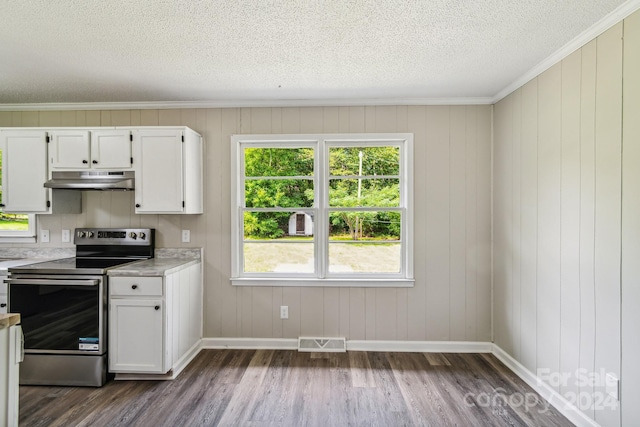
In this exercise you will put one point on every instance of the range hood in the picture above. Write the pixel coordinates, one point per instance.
(92, 180)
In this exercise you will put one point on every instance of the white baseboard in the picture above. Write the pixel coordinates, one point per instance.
(251, 343)
(420, 346)
(353, 345)
(187, 358)
(565, 407)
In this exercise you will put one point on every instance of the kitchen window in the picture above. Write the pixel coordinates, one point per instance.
(322, 210)
(15, 227)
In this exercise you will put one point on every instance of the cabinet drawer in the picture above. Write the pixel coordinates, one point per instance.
(135, 286)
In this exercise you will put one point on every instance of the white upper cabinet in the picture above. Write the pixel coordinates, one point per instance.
(168, 164)
(24, 171)
(90, 149)
(69, 149)
(111, 149)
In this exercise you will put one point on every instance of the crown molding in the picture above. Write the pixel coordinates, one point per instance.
(244, 103)
(617, 15)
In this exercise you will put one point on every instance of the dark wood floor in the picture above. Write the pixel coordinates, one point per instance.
(287, 388)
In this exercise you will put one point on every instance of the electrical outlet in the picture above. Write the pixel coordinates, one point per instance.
(44, 236)
(186, 236)
(66, 237)
(284, 311)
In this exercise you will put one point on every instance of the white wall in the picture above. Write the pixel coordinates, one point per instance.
(452, 296)
(631, 224)
(562, 213)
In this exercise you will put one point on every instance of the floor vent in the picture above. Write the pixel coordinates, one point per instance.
(337, 345)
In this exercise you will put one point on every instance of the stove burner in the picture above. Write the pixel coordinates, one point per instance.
(98, 249)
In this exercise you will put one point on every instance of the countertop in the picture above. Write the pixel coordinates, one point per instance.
(8, 263)
(9, 319)
(154, 267)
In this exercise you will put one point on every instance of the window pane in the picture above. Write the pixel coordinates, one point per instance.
(273, 257)
(13, 222)
(375, 161)
(278, 161)
(284, 193)
(347, 193)
(368, 226)
(8, 221)
(365, 257)
(278, 225)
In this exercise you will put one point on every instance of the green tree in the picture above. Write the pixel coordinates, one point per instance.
(267, 185)
(364, 192)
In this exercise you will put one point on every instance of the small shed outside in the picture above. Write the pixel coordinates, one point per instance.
(300, 224)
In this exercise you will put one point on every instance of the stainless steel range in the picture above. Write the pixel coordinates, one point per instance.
(64, 304)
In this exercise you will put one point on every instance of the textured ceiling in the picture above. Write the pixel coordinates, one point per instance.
(193, 50)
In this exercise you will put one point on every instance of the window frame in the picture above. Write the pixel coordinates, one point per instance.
(20, 236)
(321, 143)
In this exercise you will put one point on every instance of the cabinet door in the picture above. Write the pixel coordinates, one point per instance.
(69, 149)
(136, 335)
(111, 149)
(10, 358)
(24, 171)
(159, 171)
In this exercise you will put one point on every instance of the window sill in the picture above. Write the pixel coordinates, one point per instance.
(312, 282)
(17, 239)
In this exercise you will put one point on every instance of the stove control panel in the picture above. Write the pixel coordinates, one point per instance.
(114, 236)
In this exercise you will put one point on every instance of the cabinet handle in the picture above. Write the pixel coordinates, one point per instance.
(1, 205)
(95, 162)
(4, 304)
(137, 205)
(157, 307)
(134, 286)
(85, 162)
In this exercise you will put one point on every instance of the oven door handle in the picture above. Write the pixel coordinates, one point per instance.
(45, 282)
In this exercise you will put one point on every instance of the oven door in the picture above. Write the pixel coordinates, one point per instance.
(60, 313)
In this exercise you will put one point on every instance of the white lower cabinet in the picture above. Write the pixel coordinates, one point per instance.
(155, 323)
(137, 336)
(3, 295)
(10, 358)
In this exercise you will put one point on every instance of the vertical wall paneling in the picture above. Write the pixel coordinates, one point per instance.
(484, 164)
(416, 312)
(630, 369)
(587, 216)
(513, 296)
(6, 118)
(502, 219)
(607, 210)
(437, 220)
(345, 313)
(577, 195)
(471, 221)
(311, 312)
(262, 312)
(331, 314)
(529, 225)
(549, 197)
(570, 220)
(457, 233)
(370, 313)
(357, 309)
(451, 298)
(218, 147)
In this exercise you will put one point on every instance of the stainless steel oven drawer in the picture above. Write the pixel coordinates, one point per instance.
(135, 286)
